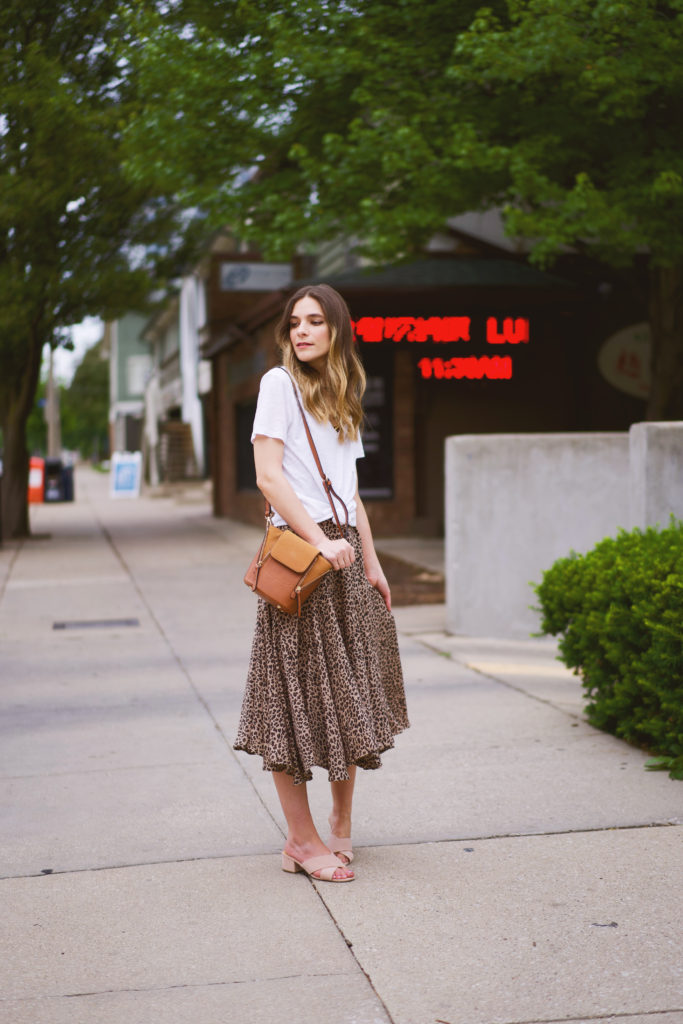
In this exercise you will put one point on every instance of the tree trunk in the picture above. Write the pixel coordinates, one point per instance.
(16, 403)
(15, 476)
(666, 324)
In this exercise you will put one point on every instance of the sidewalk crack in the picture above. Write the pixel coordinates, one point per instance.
(10, 567)
(421, 841)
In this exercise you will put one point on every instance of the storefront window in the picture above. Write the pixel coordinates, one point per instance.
(376, 470)
(246, 472)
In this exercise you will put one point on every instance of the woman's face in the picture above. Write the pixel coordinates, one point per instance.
(309, 333)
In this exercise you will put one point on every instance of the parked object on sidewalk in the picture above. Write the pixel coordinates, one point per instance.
(59, 481)
(54, 486)
(68, 482)
(36, 480)
(125, 474)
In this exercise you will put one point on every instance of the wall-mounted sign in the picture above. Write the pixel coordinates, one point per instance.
(254, 277)
(410, 328)
(443, 330)
(624, 360)
(512, 332)
(467, 368)
(440, 329)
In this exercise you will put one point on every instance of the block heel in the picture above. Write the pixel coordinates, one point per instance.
(288, 864)
(325, 865)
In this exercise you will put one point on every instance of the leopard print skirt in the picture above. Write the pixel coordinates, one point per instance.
(325, 689)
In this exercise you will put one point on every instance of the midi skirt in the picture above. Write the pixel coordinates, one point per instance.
(325, 689)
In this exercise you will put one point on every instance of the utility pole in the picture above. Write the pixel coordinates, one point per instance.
(54, 431)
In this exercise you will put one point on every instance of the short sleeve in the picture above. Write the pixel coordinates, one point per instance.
(357, 450)
(273, 411)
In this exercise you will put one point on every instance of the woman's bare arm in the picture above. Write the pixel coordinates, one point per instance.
(373, 570)
(272, 483)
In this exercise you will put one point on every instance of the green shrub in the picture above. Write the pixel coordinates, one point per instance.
(619, 610)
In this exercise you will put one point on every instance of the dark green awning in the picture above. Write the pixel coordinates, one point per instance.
(458, 272)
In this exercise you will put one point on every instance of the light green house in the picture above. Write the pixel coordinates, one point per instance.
(130, 363)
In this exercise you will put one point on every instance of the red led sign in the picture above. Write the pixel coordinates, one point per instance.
(410, 328)
(443, 330)
(513, 331)
(469, 368)
(439, 329)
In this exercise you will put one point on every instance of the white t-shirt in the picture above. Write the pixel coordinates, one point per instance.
(277, 415)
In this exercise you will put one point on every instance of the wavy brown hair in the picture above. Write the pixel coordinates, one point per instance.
(335, 394)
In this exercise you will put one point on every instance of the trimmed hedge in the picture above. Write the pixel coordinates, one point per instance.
(619, 610)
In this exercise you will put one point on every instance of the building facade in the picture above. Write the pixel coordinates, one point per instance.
(179, 381)
(129, 367)
(159, 384)
(472, 342)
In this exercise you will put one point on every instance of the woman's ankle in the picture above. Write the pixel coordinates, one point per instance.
(340, 824)
(308, 844)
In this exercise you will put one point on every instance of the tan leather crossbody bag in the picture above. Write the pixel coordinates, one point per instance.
(286, 569)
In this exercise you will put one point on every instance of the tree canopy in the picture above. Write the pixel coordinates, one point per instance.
(580, 102)
(85, 406)
(378, 120)
(295, 121)
(383, 119)
(77, 237)
(299, 120)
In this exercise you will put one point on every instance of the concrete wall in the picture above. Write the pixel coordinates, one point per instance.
(656, 478)
(517, 502)
(514, 504)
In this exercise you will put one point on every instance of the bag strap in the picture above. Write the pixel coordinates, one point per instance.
(327, 485)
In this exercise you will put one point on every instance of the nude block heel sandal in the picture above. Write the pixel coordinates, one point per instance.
(340, 845)
(326, 865)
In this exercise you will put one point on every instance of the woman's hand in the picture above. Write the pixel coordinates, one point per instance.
(339, 553)
(378, 580)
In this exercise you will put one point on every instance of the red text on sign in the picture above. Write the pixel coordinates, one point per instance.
(411, 328)
(513, 332)
(468, 367)
(439, 329)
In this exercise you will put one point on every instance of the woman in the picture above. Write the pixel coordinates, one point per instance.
(324, 689)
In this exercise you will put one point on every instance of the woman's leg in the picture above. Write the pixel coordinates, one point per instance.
(342, 800)
(303, 841)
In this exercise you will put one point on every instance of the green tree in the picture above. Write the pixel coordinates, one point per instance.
(36, 427)
(380, 120)
(583, 99)
(85, 406)
(297, 120)
(76, 236)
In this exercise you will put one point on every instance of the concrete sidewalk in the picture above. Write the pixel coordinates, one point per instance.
(514, 865)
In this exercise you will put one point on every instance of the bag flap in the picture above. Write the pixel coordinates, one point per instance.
(292, 551)
(272, 537)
